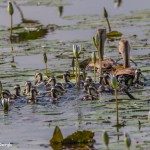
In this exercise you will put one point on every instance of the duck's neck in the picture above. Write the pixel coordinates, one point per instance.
(126, 56)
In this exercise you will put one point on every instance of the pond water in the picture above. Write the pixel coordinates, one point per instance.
(31, 126)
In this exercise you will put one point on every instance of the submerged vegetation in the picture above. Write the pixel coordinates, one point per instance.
(66, 91)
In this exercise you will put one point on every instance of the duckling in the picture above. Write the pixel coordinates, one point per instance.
(67, 83)
(50, 83)
(60, 88)
(5, 104)
(55, 94)
(39, 82)
(86, 86)
(104, 82)
(17, 92)
(88, 97)
(88, 79)
(32, 99)
(6, 94)
(137, 79)
(27, 89)
(93, 91)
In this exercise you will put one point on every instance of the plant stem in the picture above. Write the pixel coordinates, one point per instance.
(76, 71)
(11, 24)
(100, 62)
(78, 84)
(108, 24)
(94, 73)
(117, 107)
(46, 69)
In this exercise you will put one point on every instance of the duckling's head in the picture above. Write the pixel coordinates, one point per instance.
(51, 81)
(66, 77)
(54, 92)
(38, 77)
(89, 79)
(6, 94)
(124, 50)
(28, 86)
(33, 93)
(17, 89)
(86, 86)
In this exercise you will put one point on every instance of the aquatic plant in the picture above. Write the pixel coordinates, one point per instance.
(73, 64)
(76, 52)
(114, 85)
(5, 104)
(60, 10)
(11, 12)
(105, 139)
(45, 61)
(98, 43)
(1, 88)
(94, 62)
(149, 116)
(106, 16)
(127, 140)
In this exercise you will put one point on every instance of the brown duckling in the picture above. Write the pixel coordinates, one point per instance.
(32, 99)
(6, 94)
(17, 92)
(60, 88)
(50, 82)
(67, 83)
(27, 89)
(55, 94)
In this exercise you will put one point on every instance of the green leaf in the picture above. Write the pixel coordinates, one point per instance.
(84, 136)
(57, 136)
(114, 34)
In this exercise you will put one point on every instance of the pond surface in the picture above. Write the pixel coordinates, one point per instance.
(31, 126)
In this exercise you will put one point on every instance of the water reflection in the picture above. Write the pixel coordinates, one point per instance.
(117, 3)
(27, 29)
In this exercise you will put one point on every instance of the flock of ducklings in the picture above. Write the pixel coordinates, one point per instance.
(127, 77)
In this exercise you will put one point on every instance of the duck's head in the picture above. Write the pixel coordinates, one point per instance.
(6, 94)
(17, 89)
(51, 81)
(124, 50)
(38, 77)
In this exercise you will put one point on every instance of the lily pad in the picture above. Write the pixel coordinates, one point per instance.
(114, 34)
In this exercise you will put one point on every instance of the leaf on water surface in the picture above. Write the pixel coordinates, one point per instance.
(114, 34)
(57, 136)
(84, 136)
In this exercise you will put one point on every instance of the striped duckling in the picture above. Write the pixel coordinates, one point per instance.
(66, 77)
(32, 99)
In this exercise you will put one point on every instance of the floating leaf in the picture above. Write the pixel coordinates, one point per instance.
(114, 34)
(57, 136)
(79, 137)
